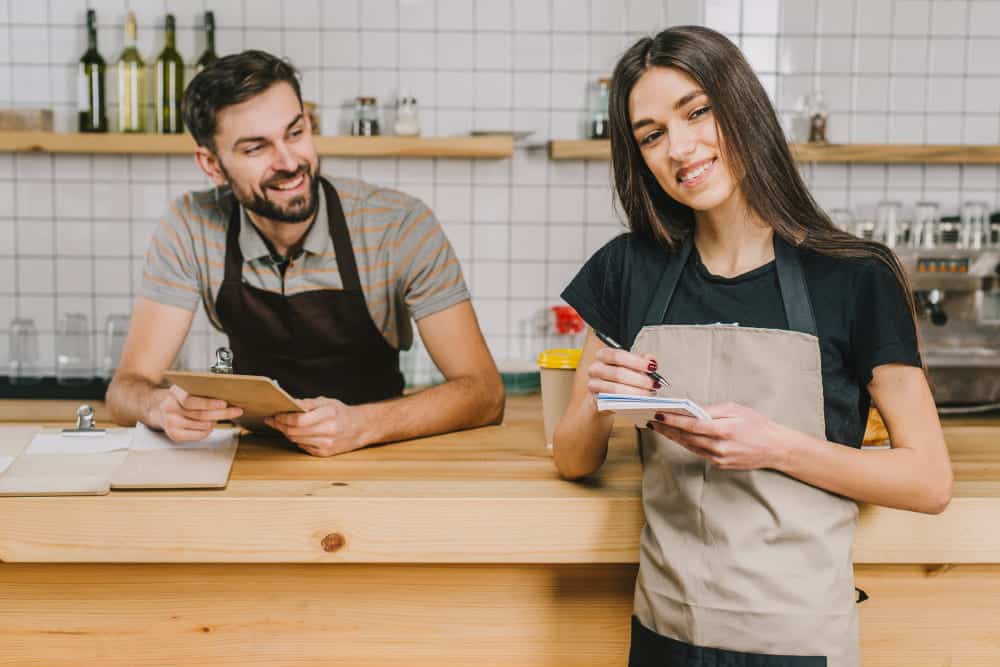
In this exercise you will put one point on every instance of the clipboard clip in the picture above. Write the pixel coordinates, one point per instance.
(223, 361)
(84, 423)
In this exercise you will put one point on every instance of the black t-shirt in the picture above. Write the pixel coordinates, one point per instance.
(862, 317)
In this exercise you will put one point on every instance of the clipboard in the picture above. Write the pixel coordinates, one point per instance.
(257, 395)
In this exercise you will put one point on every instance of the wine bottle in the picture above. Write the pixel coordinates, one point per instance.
(208, 56)
(169, 84)
(90, 83)
(131, 82)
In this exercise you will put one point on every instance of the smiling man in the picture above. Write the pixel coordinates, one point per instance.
(314, 281)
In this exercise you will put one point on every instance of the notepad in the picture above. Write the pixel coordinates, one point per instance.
(156, 462)
(642, 409)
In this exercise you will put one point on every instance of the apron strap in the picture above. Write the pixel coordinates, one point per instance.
(234, 255)
(346, 264)
(657, 311)
(791, 280)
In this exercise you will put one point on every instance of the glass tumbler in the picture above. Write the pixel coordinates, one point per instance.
(888, 226)
(925, 226)
(974, 225)
(23, 361)
(74, 360)
(115, 332)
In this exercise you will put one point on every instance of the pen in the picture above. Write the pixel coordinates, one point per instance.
(610, 342)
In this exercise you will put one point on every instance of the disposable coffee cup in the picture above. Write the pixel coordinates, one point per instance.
(557, 368)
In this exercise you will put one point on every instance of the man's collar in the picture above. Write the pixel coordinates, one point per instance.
(317, 240)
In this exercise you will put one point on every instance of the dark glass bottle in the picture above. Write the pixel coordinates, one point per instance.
(208, 56)
(169, 84)
(90, 98)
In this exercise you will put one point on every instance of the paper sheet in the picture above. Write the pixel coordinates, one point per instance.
(5, 462)
(55, 442)
(146, 439)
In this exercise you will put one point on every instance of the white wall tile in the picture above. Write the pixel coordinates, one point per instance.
(262, 14)
(75, 238)
(944, 128)
(304, 49)
(455, 15)
(874, 18)
(907, 130)
(983, 95)
(531, 15)
(911, 17)
(980, 130)
(571, 15)
(35, 237)
(909, 56)
(529, 204)
(947, 56)
(491, 241)
(835, 55)
(949, 18)
(74, 275)
(570, 53)
(723, 15)
(456, 50)
(493, 15)
(32, 12)
(417, 14)
(528, 242)
(908, 94)
(491, 204)
(493, 51)
(72, 200)
(34, 199)
(835, 17)
(984, 18)
(532, 52)
(761, 53)
(873, 55)
(417, 50)
(607, 16)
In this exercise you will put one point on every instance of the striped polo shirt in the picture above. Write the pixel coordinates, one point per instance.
(407, 267)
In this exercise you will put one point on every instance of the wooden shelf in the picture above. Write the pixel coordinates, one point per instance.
(492, 146)
(600, 149)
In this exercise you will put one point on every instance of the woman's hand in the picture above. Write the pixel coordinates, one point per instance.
(737, 438)
(621, 372)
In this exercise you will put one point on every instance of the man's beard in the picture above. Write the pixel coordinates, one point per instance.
(299, 209)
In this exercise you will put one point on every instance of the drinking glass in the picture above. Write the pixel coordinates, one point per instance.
(23, 360)
(115, 332)
(973, 225)
(888, 226)
(925, 226)
(74, 360)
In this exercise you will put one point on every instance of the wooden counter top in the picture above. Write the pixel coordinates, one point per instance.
(488, 495)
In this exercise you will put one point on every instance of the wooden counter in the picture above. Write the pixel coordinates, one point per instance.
(463, 548)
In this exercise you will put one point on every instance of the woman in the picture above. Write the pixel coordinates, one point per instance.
(740, 291)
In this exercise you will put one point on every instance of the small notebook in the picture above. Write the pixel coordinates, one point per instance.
(156, 462)
(642, 409)
(56, 463)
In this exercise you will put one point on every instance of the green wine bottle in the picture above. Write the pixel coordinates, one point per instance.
(90, 83)
(208, 56)
(131, 82)
(169, 85)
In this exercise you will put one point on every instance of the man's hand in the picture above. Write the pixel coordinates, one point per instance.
(185, 418)
(328, 426)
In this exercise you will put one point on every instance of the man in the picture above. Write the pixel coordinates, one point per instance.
(313, 280)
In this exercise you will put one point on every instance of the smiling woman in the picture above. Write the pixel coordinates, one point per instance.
(739, 290)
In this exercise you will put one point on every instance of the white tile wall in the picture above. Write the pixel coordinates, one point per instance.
(73, 229)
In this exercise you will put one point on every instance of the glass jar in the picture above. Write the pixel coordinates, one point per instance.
(599, 110)
(24, 363)
(407, 121)
(365, 117)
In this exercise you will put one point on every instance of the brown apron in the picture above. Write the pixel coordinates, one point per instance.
(315, 343)
(742, 567)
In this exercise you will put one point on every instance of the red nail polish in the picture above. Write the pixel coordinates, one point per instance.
(659, 416)
(651, 367)
(656, 384)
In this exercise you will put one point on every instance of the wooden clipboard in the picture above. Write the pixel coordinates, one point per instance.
(257, 395)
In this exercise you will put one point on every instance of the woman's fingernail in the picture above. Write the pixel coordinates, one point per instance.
(659, 416)
(652, 366)
(656, 384)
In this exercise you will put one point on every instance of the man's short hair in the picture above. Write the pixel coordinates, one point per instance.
(228, 81)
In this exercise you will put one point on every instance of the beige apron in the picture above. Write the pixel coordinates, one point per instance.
(749, 561)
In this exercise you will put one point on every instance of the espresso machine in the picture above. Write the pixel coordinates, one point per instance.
(953, 266)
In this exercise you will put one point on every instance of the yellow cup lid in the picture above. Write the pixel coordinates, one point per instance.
(560, 358)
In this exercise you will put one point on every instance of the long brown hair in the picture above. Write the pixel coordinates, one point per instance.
(754, 146)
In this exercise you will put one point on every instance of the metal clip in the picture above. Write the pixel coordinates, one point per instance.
(84, 422)
(223, 361)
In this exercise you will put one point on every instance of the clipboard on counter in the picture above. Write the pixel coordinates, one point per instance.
(52, 462)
